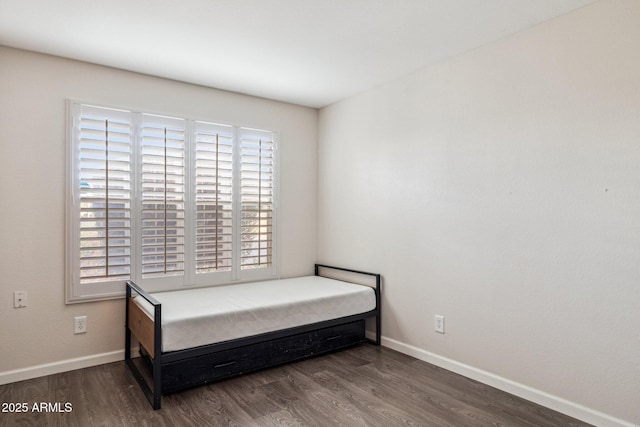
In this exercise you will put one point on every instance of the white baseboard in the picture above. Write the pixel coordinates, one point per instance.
(61, 366)
(547, 400)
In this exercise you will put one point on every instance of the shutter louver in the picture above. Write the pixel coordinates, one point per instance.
(257, 199)
(104, 161)
(213, 197)
(162, 176)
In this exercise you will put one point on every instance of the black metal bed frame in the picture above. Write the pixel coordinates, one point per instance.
(177, 370)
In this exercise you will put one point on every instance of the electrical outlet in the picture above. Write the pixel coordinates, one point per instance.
(19, 299)
(438, 323)
(80, 325)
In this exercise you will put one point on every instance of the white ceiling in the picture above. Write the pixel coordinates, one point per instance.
(307, 52)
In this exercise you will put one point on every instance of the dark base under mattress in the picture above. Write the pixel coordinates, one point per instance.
(216, 366)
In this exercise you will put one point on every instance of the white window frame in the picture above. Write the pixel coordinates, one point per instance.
(83, 292)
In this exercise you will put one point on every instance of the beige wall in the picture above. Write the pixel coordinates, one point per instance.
(501, 189)
(33, 89)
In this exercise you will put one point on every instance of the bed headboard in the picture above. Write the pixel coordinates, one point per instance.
(373, 280)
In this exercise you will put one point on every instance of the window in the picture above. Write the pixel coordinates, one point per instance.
(167, 202)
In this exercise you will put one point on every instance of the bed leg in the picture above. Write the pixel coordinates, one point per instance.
(379, 309)
(152, 396)
(157, 359)
(127, 331)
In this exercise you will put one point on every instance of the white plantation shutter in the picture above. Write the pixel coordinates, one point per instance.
(166, 202)
(162, 164)
(213, 197)
(257, 198)
(101, 186)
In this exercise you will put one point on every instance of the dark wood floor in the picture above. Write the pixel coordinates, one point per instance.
(362, 386)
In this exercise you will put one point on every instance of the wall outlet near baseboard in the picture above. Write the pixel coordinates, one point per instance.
(80, 325)
(19, 299)
(438, 323)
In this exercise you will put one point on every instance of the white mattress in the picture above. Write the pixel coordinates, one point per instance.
(196, 317)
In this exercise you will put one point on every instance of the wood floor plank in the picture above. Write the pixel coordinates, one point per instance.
(421, 394)
(428, 405)
(280, 418)
(515, 409)
(299, 397)
(362, 386)
(206, 406)
(379, 410)
(345, 412)
(250, 397)
(501, 406)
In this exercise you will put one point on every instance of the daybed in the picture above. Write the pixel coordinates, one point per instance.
(195, 336)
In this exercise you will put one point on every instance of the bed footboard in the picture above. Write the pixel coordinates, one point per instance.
(148, 332)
